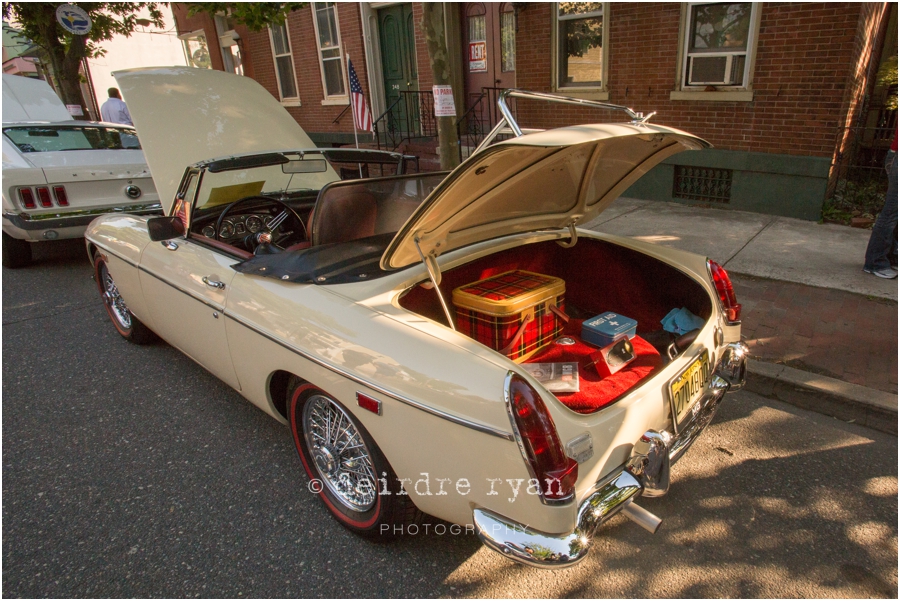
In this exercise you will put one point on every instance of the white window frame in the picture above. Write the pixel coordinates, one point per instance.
(334, 99)
(228, 39)
(724, 92)
(592, 92)
(194, 35)
(290, 100)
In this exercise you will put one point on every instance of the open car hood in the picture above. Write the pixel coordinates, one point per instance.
(29, 99)
(539, 181)
(185, 115)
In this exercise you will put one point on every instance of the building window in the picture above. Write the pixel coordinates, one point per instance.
(284, 62)
(229, 44)
(477, 28)
(580, 44)
(507, 38)
(196, 52)
(331, 60)
(718, 44)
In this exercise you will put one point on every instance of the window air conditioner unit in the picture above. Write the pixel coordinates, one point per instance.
(720, 69)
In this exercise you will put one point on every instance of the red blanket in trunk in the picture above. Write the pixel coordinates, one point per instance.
(596, 392)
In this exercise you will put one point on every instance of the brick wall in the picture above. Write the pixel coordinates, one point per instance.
(423, 63)
(807, 71)
(870, 27)
(205, 22)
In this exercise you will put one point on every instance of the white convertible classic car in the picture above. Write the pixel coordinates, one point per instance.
(446, 345)
(60, 174)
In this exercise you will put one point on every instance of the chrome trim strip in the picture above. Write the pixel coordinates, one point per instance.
(190, 293)
(153, 206)
(406, 401)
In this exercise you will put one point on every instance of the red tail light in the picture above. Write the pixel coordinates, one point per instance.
(730, 305)
(44, 197)
(62, 199)
(27, 198)
(540, 444)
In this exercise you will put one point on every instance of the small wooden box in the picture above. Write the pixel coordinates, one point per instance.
(512, 312)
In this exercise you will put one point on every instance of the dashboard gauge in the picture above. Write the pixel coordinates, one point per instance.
(239, 229)
(209, 231)
(227, 229)
(254, 224)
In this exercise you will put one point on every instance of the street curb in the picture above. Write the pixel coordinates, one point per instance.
(848, 402)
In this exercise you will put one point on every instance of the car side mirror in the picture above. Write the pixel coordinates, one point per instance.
(165, 228)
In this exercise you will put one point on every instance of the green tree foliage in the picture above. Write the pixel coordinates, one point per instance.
(64, 50)
(887, 76)
(255, 15)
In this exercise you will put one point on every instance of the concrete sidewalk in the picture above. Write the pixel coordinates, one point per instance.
(822, 333)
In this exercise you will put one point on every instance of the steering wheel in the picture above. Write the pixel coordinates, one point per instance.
(264, 242)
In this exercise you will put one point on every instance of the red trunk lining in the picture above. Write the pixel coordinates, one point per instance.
(600, 276)
(596, 392)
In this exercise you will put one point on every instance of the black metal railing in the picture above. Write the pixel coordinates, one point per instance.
(863, 145)
(338, 118)
(480, 118)
(409, 116)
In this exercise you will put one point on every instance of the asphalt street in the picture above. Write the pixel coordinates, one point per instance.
(131, 472)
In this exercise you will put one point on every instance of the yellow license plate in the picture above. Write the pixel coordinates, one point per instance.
(686, 389)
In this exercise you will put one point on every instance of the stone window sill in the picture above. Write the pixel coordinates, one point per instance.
(342, 100)
(584, 93)
(717, 96)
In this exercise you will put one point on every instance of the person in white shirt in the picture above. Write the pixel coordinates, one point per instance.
(114, 109)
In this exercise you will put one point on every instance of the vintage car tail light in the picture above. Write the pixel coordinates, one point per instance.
(62, 199)
(730, 306)
(539, 442)
(27, 198)
(44, 196)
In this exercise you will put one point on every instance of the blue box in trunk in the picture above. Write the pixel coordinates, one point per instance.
(606, 328)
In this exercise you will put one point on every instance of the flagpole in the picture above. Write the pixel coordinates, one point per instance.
(353, 114)
(350, 96)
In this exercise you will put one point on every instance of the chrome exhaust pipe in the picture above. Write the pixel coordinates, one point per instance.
(641, 517)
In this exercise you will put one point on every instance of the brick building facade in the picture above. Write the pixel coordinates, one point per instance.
(775, 93)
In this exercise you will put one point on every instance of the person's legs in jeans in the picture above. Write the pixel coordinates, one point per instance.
(882, 249)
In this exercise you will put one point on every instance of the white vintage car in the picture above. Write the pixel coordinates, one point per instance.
(327, 304)
(60, 174)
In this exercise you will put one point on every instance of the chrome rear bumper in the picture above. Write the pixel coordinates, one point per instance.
(75, 217)
(646, 473)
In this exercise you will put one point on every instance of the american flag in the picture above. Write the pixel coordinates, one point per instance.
(362, 118)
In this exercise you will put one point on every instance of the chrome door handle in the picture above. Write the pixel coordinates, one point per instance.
(170, 245)
(213, 283)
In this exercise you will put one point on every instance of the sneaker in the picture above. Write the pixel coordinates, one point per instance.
(885, 272)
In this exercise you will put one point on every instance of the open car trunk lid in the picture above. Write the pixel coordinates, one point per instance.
(544, 180)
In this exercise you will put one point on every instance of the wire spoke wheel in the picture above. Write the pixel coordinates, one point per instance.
(339, 453)
(114, 300)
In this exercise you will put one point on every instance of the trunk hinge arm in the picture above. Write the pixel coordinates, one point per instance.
(434, 272)
(573, 237)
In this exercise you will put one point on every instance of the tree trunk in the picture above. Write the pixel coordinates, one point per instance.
(66, 65)
(436, 38)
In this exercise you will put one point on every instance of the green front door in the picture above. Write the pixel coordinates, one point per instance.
(398, 59)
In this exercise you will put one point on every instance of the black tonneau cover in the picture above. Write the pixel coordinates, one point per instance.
(339, 263)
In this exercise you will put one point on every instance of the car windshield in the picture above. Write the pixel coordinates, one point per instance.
(291, 174)
(49, 138)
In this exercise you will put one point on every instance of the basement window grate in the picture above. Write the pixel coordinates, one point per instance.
(702, 183)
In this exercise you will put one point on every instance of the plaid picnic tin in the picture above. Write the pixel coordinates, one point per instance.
(494, 310)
